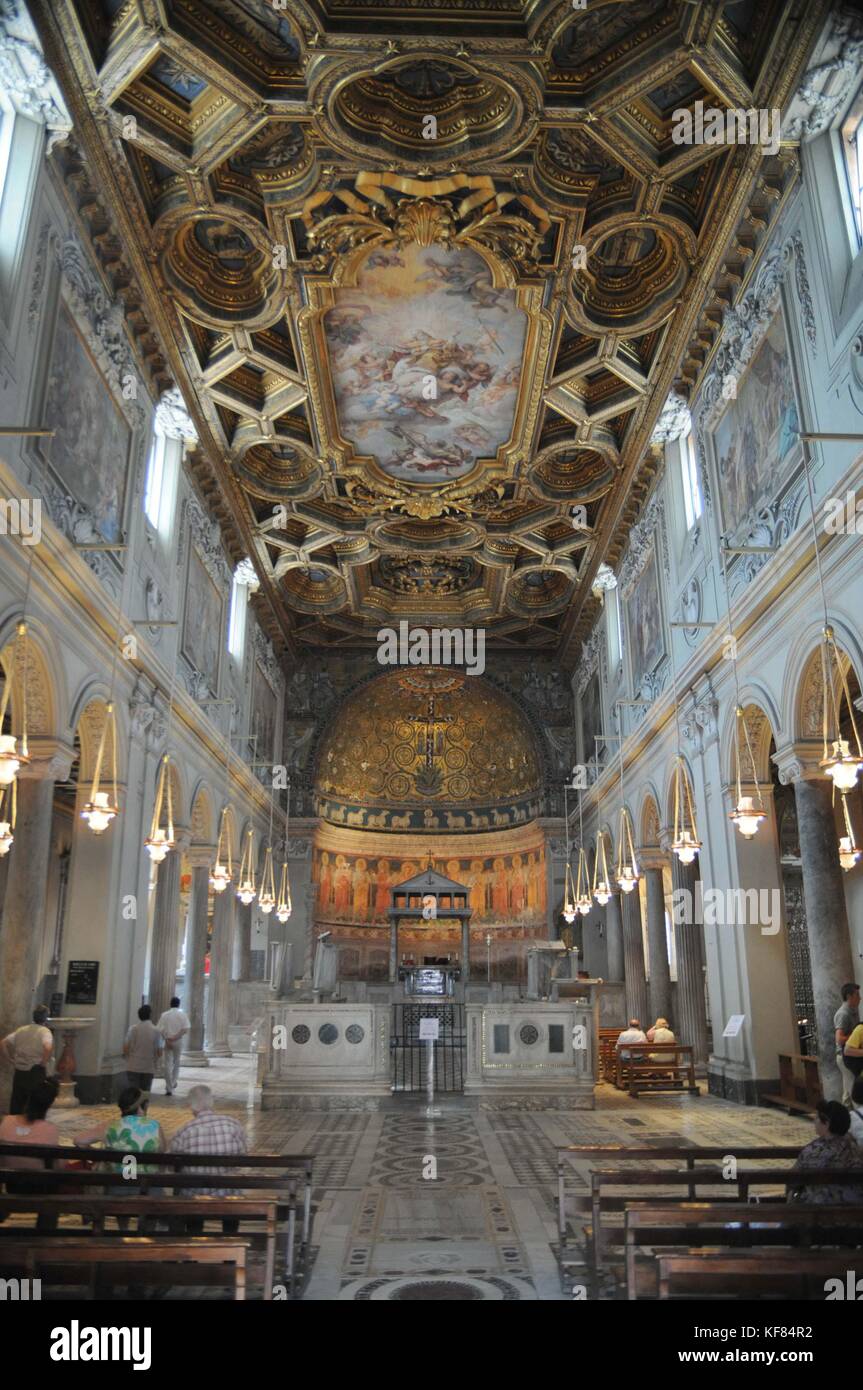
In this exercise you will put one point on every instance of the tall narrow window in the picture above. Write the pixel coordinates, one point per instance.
(852, 149)
(691, 488)
(155, 480)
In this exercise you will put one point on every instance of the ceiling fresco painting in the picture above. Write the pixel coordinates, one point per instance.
(425, 275)
(426, 362)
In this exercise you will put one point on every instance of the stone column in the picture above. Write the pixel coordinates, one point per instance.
(166, 929)
(614, 935)
(657, 947)
(243, 941)
(633, 958)
(200, 857)
(826, 916)
(691, 1022)
(394, 950)
(219, 998)
(465, 950)
(24, 904)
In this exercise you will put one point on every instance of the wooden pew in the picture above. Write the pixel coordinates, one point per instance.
(687, 1181)
(655, 1067)
(689, 1154)
(283, 1191)
(96, 1209)
(129, 1256)
(725, 1274)
(797, 1225)
(799, 1084)
(608, 1053)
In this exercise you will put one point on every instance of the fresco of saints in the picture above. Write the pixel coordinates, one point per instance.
(518, 886)
(362, 891)
(325, 881)
(382, 889)
(342, 885)
(499, 894)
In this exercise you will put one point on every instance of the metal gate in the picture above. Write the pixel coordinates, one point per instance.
(410, 1056)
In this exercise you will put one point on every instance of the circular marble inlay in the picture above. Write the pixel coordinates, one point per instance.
(354, 1033)
(327, 1033)
(528, 1034)
(300, 1034)
(425, 1290)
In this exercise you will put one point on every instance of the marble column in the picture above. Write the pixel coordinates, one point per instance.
(24, 903)
(633, 958)
(166, 931)
(465, 950)
(614, 936)
(219, 997)
(657, 945)
(243, 942)
(826, 917)
(200, 857)
(394, 950)
(691, 1021)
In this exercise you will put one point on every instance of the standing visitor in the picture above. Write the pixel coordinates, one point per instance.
(141, 1050)
(173, 1026)
(29, 1049)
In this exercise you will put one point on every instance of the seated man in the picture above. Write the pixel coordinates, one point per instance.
(632, 1034)
(833, 1148)
(209, 1133)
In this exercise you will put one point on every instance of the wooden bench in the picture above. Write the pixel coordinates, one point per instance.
(283, 1191)
(97, 1209)
(608, 1053)
(687, 1182)
(726, 1274)
(655, 1067)
(730, 1226)
(690, 1154)
(129, 1257)
(799, 1084)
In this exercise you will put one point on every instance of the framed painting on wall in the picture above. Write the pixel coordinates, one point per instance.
(89, 453)
(263, 716)
(755, 441)
(644, 622)
(591, 719)
(202, 621)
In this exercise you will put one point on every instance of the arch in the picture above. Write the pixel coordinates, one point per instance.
(649, 824)
(762, 732)
(668, 796)
(802, 683)
(88, 728)
(178, 796)
(230, 829)
(202, 819)
(46, 688)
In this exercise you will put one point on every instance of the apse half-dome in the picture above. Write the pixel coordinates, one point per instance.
(432, 750)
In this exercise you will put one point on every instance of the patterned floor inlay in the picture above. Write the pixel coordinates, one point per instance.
(438, 1288)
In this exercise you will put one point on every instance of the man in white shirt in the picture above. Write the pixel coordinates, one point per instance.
(29, 1049)
(173, 1025)
(633, 1034)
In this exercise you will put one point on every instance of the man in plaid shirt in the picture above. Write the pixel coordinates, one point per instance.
(209, 1133)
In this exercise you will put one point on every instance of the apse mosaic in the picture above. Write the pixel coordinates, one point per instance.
(355, 889)
(428, 750)
(426, 361)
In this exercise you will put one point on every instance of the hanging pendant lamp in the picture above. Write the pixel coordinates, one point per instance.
(627, 865)
(101, 808)
(849, 854)
(222, 871)
(747, 814)
(161, 838)
(839, 763)
(602, 889)
(685, 843)
(246, 886)
(283, 907)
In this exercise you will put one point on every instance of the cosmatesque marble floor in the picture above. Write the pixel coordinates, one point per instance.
(460, 1206)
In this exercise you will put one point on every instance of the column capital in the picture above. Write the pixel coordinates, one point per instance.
(182, 838)
(653, 856)
(201, 856)
(50, 760)
(798, 762)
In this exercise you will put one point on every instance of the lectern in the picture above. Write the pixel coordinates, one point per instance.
(427, 898)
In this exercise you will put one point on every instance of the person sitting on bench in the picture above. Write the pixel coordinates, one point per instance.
(833, 1148)
(32, 1128)
(209, 1133)
(132, 1132)
(660, 1033)
(633, 1034)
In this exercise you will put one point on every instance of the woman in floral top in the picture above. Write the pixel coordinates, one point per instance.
(834, 1148)
(133, 1132)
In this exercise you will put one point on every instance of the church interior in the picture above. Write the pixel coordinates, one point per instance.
(431, 812)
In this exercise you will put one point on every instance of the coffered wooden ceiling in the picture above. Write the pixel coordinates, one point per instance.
(403, 376)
